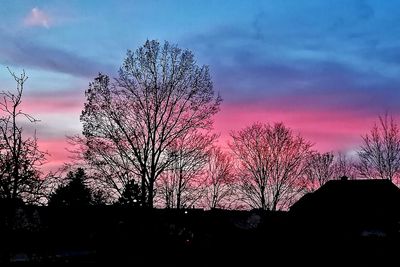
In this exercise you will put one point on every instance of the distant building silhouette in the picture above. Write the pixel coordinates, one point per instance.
(374, 197)
(351, 208)
(362, 216)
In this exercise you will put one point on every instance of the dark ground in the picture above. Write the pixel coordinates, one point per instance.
(119, 236)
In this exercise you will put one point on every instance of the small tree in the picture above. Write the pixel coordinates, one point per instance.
(219, 180)
(182, 185)
(73, 194)
(380, 152)
(327, 166)
(271, 164)
(344, 166)
(321, 168)
(20, 156)
(131, 196)
(110, 171)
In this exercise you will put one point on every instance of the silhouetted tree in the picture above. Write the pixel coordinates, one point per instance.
(327, 166)
(181, 185)
(131, 196)
(271, 162)
(344, 166)
(320, 169)
(219, 180)
(110, 171)
(380, 152)
(99, 197)
(161, 94)
(75, 193)
(20, 156)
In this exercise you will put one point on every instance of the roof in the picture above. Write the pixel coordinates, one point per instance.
(378, 196)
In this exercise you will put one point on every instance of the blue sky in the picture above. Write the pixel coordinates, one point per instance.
(326, 68)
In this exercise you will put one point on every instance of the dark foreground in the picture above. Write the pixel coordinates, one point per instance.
(41, 236)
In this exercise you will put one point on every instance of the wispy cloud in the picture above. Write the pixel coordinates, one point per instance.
(37, 18)
(19, 51)
(63, 101)
(289, 60)
(329, 131)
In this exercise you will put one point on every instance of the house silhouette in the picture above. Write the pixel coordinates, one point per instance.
(371, 198)
(355, 222)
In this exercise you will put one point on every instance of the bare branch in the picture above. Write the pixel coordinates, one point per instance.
(131, 124)
(380, 153)
(271, 163)
(20, 156)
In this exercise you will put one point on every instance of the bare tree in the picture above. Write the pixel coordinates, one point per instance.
(323, 167)
(109, 171)
(161, 94)
(344, 166)
(320, 169)
(271, 163)
(20, 156)
(380, 152)
(181, 185)
(219, 180)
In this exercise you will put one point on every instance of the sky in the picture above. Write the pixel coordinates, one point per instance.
(326, 69)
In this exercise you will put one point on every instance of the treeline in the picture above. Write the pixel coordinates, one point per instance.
(148, 141)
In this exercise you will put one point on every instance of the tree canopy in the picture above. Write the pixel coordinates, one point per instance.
(130, 123)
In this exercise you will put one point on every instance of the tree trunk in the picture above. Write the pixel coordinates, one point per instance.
(214, 202)
(143, 199)
(275, 201)
(179, 192)
(150, 194)
(263, 206)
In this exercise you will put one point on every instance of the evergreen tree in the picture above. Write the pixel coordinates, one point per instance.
(75, 193)
(131, 196)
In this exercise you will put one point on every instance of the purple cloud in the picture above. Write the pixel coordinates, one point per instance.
(37, 17)
(19, 51)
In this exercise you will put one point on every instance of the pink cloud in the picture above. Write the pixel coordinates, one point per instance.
(329, 130)
(37, 17)
(54, 103)
(58, 153)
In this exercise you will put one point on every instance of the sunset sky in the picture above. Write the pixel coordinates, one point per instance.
(327, 69)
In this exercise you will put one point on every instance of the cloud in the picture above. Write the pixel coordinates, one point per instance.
(57, 153)
(20, 51)
(37, 18)
(313, 66)
(314, 86)
(51, 131)
(365, 11)
(60, 101)
(54, 125)
(58, 112)
(339, 130)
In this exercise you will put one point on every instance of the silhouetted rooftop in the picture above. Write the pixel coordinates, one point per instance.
(372, 196)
